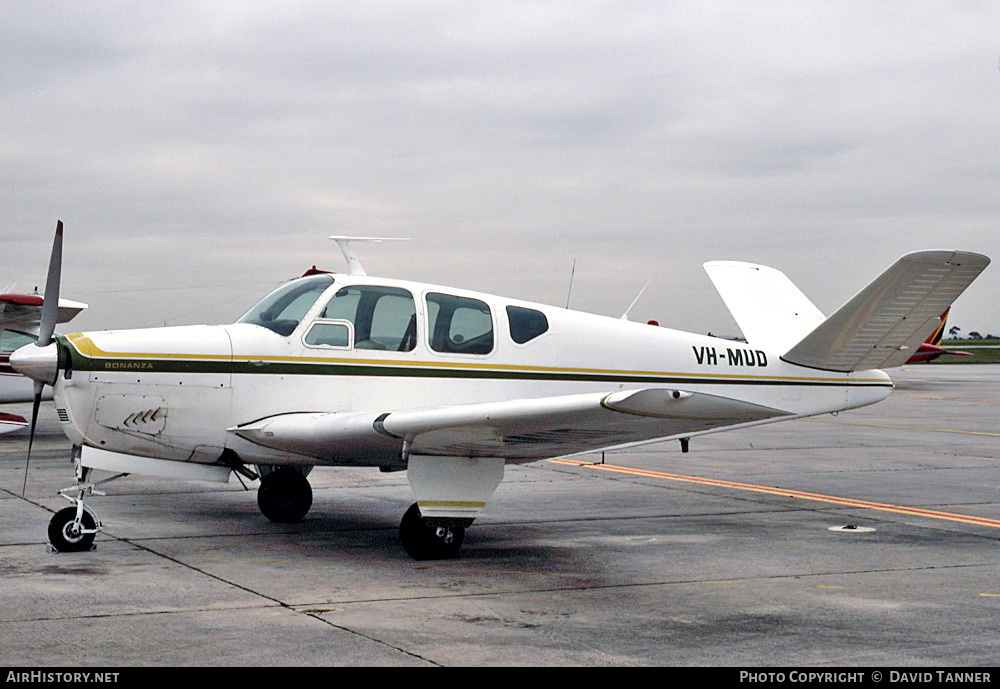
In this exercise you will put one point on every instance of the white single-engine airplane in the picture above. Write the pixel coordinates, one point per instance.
(451, 385)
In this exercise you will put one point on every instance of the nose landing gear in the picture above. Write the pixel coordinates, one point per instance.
(73, 529)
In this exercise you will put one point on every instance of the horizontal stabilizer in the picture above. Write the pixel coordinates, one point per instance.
(771, 311)
(885, 323)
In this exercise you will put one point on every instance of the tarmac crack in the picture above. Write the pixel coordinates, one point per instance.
(315, 610)
(277, 602)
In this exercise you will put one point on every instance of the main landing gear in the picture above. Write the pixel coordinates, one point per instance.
(285, 495)
(430, 539)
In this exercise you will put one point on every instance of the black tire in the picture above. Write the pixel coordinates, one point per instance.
(284, 496)
(423, 541)
(62, 535)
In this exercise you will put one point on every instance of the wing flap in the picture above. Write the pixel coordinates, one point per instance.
(885, 323)
(525, 429)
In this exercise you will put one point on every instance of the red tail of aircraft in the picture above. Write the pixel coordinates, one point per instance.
(932, 349)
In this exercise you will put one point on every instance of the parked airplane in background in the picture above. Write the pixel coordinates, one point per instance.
(451, 385)
(932, 349)
(20, 315)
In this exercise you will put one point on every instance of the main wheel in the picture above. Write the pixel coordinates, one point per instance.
(284, 496)
(423, 541)
(67, 538)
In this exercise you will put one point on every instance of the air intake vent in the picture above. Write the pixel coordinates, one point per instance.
(144, 414)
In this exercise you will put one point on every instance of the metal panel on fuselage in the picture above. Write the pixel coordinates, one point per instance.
(178, 379)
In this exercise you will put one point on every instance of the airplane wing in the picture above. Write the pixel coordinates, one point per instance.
(884, 324)
(11, 422)
(24, 311)
(516, 430)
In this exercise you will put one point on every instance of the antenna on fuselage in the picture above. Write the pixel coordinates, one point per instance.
(625, 315)
(352, 260)
(569, 293)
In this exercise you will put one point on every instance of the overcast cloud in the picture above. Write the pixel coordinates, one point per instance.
(201, 152)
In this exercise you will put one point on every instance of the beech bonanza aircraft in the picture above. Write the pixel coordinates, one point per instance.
(20, 316)
(451, 385)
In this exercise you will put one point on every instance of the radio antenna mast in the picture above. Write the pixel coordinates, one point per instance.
(572, 272)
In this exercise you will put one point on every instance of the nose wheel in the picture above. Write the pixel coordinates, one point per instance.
(70, 532)
(73, 529)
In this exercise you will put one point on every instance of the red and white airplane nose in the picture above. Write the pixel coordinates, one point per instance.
(37, 363)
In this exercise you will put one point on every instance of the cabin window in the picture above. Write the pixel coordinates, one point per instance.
(12, 340)
(330, 334)
(283, 309)
(459, 325)
(525, 324)
(383, 318)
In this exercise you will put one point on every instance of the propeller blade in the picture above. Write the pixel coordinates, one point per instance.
(50, 306)
(35, 402)
(50, 312)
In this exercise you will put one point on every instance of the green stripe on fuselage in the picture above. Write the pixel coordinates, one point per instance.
(417, 370)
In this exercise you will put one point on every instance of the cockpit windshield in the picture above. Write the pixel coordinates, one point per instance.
(283, 309)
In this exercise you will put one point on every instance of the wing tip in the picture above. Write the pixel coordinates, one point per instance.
(947, 256)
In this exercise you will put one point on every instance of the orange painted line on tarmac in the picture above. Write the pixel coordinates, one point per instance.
(784, 492)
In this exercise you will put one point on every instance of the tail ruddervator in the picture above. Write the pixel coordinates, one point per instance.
(881, 327)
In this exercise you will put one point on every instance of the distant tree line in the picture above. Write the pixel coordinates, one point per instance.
(954, 331)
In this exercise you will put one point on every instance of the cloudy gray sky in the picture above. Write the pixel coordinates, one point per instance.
(202, 152)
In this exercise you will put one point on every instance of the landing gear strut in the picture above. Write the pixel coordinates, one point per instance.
(285, 495)
(73, 529)
(430, 539)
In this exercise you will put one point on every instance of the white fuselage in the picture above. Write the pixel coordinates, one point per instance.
(173, 393)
